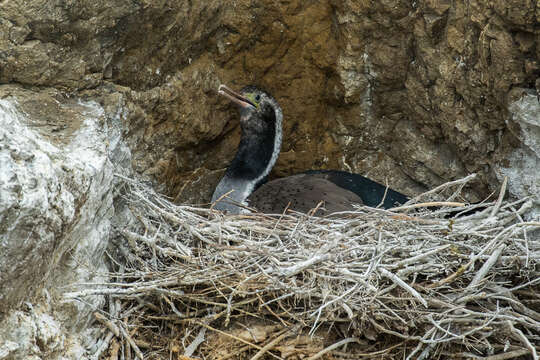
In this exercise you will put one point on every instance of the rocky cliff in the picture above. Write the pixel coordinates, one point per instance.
(414, 93)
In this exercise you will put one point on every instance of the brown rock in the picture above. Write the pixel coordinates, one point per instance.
(365, 86)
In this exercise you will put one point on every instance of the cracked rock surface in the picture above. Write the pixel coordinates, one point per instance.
(58, 156)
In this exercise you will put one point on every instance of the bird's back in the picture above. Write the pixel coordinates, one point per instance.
(302, 193)
(371, 192)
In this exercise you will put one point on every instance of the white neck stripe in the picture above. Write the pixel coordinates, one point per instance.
(275, 153)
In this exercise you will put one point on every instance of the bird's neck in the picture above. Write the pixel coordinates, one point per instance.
(256, 156)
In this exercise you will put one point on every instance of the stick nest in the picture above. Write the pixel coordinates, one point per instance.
(407, 283)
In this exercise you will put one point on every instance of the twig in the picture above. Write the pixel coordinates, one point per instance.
(500, 198)
(132, 344)
(293, 270)
(427, 204)
(103, 347)
(519, 334)
(507, 355)
(404, 285)
(272, 343)
(444, 186)
(111, 326)
(486, 267)
(234, 337)
(419, 257)
(332, 347)
(195, 343)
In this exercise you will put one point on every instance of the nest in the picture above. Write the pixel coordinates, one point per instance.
(406, 283)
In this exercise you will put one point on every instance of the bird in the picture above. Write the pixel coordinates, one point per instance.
(244, 184)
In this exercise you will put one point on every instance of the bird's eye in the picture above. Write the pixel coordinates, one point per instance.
(258, 98)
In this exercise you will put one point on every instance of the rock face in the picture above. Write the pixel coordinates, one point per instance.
(57, 156)
(413, 93)
(521, 166)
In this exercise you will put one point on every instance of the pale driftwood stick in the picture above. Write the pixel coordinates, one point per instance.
(444, 186)
(486, 267)
(133, 237)
(135, 289)
(221, 198)
(500, 198)
(173, 308)
(525, 237)
(424, 267)
(420, 345)
(450, 278)
(104, 346)
(426, 352)
(332, 347)
(199, 339)
(403, 284)
(358, 277)
(384, 195)
(318, 311)
(427, 204)
(490, 244)
(295, 269)
(132, 344)
(507, 355)
(477, 296)
(391, 311)
(444, 331)
(109, 324)
(284, 296)
(89, 292)
(348, 310)
(461, 336)
(519, 334)
(522, 309)
(394, 333)
(500, 235)
(529, 223)
(416, 258)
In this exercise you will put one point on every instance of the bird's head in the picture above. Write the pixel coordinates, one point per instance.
(258, 109)
(259, 147)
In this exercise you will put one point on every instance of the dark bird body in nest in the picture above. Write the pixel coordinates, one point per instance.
(244, 181)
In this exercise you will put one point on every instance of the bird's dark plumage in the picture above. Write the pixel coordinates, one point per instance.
(371, 192)
(261, 123)
(302, 192)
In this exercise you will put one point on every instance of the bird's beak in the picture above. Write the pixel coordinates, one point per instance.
(242, 101)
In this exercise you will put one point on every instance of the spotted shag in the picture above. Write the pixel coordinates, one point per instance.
(244, 183)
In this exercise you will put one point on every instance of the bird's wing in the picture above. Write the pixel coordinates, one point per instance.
(302, 193)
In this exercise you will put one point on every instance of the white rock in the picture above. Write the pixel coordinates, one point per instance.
(56, 210)
(523, 173)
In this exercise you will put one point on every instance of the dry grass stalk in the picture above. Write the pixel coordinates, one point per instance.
(413, 285)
